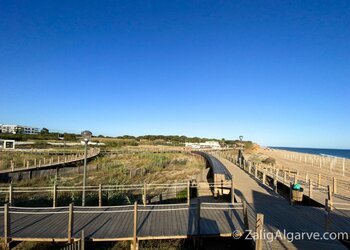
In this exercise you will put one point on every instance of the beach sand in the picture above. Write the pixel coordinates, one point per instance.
(309, 166)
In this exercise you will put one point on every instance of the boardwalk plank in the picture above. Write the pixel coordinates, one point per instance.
(277, 211)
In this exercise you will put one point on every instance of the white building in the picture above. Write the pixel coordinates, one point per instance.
(30, 130)
(17, 129)
(8, 129)
(207, 144)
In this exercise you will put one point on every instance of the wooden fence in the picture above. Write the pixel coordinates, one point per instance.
(271, 176)
(149, 192)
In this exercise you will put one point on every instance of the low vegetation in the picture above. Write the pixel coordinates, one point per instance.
(139, 168)
(115, 169)
(20, 159)
(269, 161)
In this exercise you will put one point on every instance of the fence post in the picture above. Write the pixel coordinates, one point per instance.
(264, 177)
(198, 229)
(256, 172)
(284, 176)
(82, 240)
(70, 222)
(222, 187)
(296, 178)
(10, 200)
(319, 180)
(175, 190)
(144, 196)
(310, 188)
(215, 186)
(232, 191)
(334, 185)
(330, 197)
(188, 193)
(259, 229)
(7, 223)
(275, 182)
(100, 195)
(134, 244)
(327, 213)
(291, 193)
(54, 199)
(245, 215)
(12, 166)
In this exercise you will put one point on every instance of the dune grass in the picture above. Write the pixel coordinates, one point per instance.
(121, 169)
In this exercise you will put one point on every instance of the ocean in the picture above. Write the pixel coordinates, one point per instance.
(342, 153)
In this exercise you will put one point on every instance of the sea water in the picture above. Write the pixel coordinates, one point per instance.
(341, 153)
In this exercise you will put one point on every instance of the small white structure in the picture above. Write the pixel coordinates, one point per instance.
(7, 144)
(93, 143)
(75, 143)
(207, 144)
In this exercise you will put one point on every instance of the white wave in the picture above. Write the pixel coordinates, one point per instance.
(332, 156)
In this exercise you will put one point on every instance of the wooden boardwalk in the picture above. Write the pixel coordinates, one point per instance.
(52, 163)
(164, 221)
(117, 223)
(279, 215)
(219, 171)
(175, 221)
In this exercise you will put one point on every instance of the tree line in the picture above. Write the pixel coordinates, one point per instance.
(45, 134)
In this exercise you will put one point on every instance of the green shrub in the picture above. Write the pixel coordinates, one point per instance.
(269, 160)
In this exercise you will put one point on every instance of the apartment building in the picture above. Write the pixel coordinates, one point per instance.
(18, 129)
(207, 144)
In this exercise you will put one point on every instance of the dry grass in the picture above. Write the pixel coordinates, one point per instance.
(114, 170)
(158, 168)
(18, 157)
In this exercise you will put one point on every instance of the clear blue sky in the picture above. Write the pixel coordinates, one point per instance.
(276, 72)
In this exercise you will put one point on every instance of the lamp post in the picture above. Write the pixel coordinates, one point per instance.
(240, 152)
(241, 139)
(86, 136)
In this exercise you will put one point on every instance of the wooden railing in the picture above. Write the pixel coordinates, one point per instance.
(271, 175)
(150, 192)
(318, 179)
(337, 216)
(78, 244)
